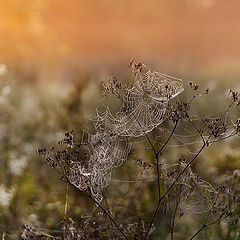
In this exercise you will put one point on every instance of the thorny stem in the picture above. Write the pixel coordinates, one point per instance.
(171, 186)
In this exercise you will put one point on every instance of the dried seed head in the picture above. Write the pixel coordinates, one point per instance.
(236, 173)
(234, 95)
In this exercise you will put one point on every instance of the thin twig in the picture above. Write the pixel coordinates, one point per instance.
(171, 186)
(174, 215)
(170, 136)
(158, 176)
(104, 210)
(157, 158)
(205, 225)
(105, 199)
(110, 217)
(65, 210)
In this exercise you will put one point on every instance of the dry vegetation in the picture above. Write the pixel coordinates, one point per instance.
(153, 117)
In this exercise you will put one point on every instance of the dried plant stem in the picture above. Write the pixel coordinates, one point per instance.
(106, 200)
(173, 219)
(234, 132)
(171, 186)
(193, 97)
(157, 158)
(144, 108)
(170, 136)
(198, 130)
(149, 140)
(109, 216)
(106, 212)
(205, 225)
(158, 176)
(65, 208)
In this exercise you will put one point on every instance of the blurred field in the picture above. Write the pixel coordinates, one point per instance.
(56, 51)
(37, 115)
(58, 36)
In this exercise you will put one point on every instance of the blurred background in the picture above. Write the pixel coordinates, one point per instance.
(56, 36)
(53, 54)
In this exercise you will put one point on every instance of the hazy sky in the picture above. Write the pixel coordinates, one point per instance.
(100, 33)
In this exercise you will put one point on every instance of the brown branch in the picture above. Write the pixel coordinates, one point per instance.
(199, 131)
(103, 209)
(171, 186)
(174, 216)
(173, 220)
(170, 136)
(110, 217)
(158, 176)
(205, 225)
(157, 158)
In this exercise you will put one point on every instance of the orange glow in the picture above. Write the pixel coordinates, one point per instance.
(104, 33)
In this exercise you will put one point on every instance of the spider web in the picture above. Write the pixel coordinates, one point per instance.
(196, 195)
(158, 86)
(105, 154)
(144, 107)
(139, 114)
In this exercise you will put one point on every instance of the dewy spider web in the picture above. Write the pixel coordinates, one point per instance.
(144, 107)
(196, 195)
(139, 114)
(158, 86)
(105, 153)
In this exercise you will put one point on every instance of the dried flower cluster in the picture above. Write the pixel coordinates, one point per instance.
(33, 233)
